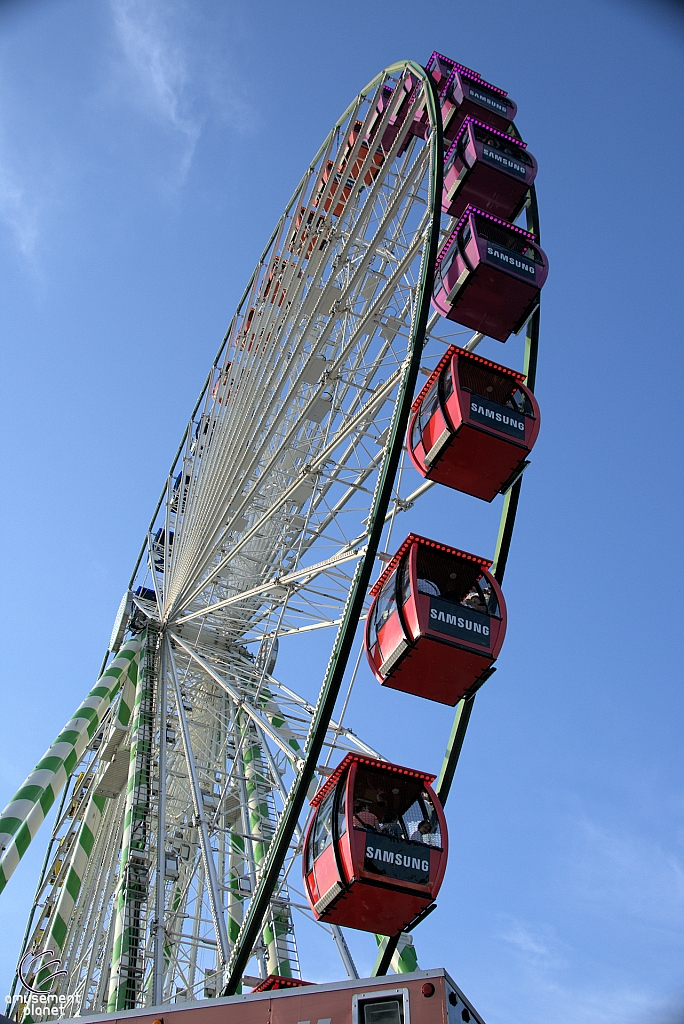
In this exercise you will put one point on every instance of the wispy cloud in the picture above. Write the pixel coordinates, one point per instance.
(567, 1004)
(617, 880)
(157, 70)
(19, 214)
(545, 979)
(538, 944)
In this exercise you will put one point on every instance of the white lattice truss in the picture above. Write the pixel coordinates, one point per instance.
(256, 538)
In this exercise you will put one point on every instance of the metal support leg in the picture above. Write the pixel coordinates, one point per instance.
(158, 983)
(207, 856)
(453, 750)
(343, 950)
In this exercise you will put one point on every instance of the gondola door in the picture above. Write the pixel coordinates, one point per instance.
(431, 426)
(325, 862)
(387, 637)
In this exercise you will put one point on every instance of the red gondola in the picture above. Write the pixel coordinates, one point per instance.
(488, 169)
(474, 424)
(463, 91)
(437, 622)
(375, 849)
(488, 275)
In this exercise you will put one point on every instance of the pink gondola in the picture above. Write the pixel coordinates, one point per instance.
(488, 275)
(488, 169)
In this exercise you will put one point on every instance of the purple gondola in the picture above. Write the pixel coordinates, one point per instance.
(488, 169)
(488, 275)
(464, 92)
(441, 69)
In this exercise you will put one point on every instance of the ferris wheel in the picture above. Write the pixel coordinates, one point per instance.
(184, 779)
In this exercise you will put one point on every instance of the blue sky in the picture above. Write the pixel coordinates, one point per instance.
(146, 151)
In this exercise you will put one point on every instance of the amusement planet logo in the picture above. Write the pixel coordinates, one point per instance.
(39, 1002)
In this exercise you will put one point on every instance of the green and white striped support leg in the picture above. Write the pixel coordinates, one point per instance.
(132, 887)
(405, 959)
(72, 887)
(236, 867)
(276, 930)
(26, 812)
(278, 721)
(90, 827)
(261, 826)
(236, 859)
(124, 711)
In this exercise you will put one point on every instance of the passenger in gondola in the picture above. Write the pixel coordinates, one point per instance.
(387, 820)
(392, 828)
(447, 623)
(363, 816)
(365, 878)
(385, 613)
(475, 600)
(423, 828)
(475, 446)
(489, 274)
(325, 835)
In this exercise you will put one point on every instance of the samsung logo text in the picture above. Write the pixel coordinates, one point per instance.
(488, 101)
(511, 259)
(498, 417)
(459, 620)
(505, 161)
(400, 859)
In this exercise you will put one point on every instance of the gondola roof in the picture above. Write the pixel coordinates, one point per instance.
(488, 216)
(413, 538)
(475, 76)
(374, 762)
(463, 354)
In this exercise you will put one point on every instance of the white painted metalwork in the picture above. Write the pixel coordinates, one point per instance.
(253, 546)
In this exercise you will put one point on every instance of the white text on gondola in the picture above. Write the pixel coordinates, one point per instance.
(459, 620)
(510, 259)
(498, 417)
(400, 859)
